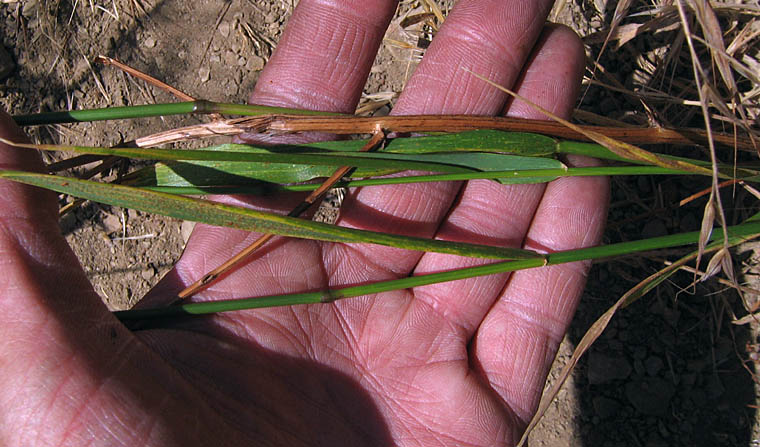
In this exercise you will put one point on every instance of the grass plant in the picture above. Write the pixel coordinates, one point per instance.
(701, 89)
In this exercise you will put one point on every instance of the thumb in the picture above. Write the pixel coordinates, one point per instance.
(21, 201)
(68, 369)
(36, 260)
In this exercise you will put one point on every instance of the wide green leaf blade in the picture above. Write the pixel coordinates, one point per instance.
(497, 141)
(238, 153)
(224, 173)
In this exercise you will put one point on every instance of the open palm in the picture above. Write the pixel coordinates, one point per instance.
(456, 363)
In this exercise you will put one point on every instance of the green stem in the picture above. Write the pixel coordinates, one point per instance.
(528, 173)
(748, 229)
(144, 111)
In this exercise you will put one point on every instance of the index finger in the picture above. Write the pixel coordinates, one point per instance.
(320, 63)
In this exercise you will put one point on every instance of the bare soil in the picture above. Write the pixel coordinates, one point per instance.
(670, 370)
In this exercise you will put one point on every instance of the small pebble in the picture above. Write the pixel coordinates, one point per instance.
(204, 74)
(29, 8)
(255, 63)
(230, 58)
(147, 274)
(149, 42)
(111, 222)
(224, 29)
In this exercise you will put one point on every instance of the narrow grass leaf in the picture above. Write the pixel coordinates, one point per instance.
(740, 233)
(279, 164)
(209, 173)
(181, 186)
(381, 161)
(246, 219)
(143, 111)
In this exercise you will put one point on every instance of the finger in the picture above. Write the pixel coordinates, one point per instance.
(489, 37)
(517, 341)
(33, 254)
(67, 364)
(494, 214)
(324, 56)
(321, 63)
(49, 314)
(16, 200)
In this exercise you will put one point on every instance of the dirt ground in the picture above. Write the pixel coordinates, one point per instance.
(670, 370)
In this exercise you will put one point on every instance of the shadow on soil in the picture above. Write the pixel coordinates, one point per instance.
(671, 369)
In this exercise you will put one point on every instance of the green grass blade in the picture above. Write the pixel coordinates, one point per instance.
(144, 111)
(167, 178)
(246, 219)
(436, 162)
(737, 233)
(597, 151)
(277, 165)
(203, 173)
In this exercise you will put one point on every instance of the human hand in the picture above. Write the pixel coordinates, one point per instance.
(455, 363)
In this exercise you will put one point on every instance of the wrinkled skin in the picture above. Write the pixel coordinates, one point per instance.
(460, 363)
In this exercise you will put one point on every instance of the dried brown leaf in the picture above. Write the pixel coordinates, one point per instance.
(708, 220)
(621, 10)
(714, 36)
(715, 265)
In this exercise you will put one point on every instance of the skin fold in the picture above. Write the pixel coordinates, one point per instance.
(460, 363)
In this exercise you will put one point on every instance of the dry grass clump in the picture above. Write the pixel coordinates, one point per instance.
(675, 63)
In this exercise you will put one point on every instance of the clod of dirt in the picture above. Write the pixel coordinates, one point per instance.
(6, 63)
(653, 365)
(111, 223)
(650, 396)
(605, 369)
(255, 63)
(605, 407)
